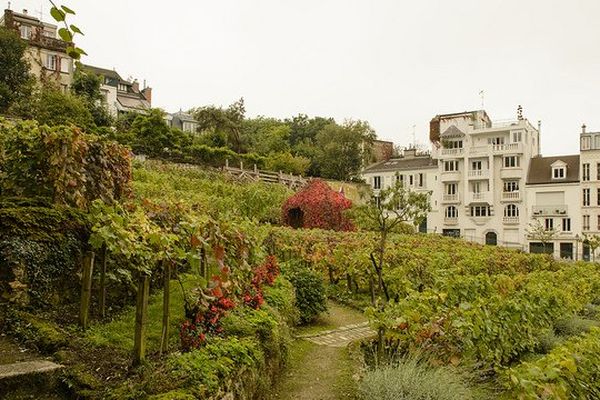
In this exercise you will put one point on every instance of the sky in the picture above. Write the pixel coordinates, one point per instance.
(395, 64)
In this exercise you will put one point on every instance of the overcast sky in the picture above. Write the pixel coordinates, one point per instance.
(393, 63)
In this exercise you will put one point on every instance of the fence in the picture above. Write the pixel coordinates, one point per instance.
(292, 181)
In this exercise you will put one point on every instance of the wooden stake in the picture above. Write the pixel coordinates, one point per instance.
(86, 289)
(164, 340)
(103, 282)
(141, 320)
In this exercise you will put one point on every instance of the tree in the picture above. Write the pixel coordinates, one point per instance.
(342, 149)
(537, 231)
(303, 128)
(151, 133)
(15, 81)
(212, 119)
(286, 162)
(87, 86)
(593, 241)
(387, 210)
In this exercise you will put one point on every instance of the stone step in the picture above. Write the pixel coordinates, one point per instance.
(37, 376)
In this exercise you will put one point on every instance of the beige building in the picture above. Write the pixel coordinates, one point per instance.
(590, 184)
(46, 54)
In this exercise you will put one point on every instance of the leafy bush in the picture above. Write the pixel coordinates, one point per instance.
(311, 298)
(567, 372)
(574, 325)
(411, 379)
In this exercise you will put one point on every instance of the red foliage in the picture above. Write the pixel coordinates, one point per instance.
(319, 206)
(205, 318)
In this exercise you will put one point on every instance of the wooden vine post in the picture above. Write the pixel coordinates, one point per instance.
(141, 319)
(164, 339)
(103, 282)
(86, 289)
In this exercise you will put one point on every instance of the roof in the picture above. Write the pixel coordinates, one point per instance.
(453, 131)
(133, 102)
(183, 116)
(402, 164)
(107, 73)
(540, 170)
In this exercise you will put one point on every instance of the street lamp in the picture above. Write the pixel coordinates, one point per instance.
(577, 239)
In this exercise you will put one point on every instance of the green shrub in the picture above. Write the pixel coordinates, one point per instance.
(311, 299)
(574, 325)
(547, 341)
(411, 379)
(281, 297)
(569, 371)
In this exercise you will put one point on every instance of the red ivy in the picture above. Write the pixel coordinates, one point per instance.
(317, 206)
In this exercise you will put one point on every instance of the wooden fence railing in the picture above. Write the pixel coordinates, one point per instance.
(255, 174)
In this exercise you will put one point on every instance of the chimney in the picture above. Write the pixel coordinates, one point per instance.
(25, 11)
(136, 86)
(410, 152)
(147, 93)
(583, 128)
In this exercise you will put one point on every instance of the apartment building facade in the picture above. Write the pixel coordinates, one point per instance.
(46, 53)
(489, 184)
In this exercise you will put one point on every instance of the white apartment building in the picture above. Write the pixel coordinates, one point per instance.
(489, 183)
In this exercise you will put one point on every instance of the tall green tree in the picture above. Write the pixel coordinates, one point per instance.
(227, 121)
(15, 81)
(342, 148)
(87, 86)
(305, 129)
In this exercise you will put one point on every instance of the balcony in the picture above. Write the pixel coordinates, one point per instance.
(511, 196)
(509, 173)
(479, 174)
(450, 198)
(481, 197)
(450, 221)
(555, 210)
(510, 220)
(507, 148)
(452, 152)
(451, 176)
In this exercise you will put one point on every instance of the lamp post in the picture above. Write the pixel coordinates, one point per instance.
(576, 246)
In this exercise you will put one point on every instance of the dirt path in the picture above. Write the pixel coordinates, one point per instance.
(320, 367)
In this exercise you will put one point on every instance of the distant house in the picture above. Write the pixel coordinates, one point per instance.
(183, 121)
(120, 95)
(46, 54)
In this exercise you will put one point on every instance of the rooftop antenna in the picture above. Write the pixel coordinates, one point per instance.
(41, 12)
(519, 113)
(9, 5)
(482, 95)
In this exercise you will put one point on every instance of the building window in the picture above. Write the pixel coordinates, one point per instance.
(586, 197)
(451, 212)
(65, 65)
(598, 169)
(25, 32)
(511, 162)
(400, 178)
(558, 173)
(122, 87)
(598, 197)
(376, 182)
(450, 166)
(480, 211)
(586, 142)
(585, 172)
(411, 180)
(566, 224)
(451, 188)
(517, 136)
(51, 62)
(476, 165)
(421, 181)
(453, 144)
(549, 224)
(476, 187)
(496, 140)
(511, 210)
(586, 222)
(599, 222)
(511, 186)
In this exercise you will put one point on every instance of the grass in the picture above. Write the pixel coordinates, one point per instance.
(119, 332)
(336, 316)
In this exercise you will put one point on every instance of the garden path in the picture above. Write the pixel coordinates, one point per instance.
(320, 367)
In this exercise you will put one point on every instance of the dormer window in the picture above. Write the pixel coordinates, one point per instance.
(122, 87)
(558, 173)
